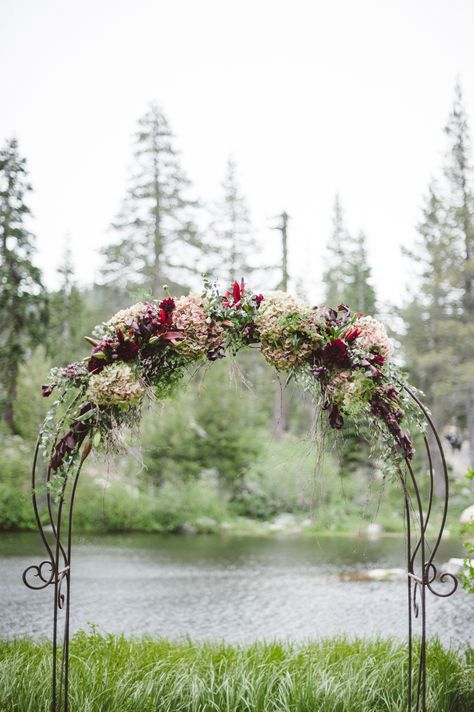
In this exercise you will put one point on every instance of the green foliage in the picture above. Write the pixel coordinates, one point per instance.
(16, 511)
(30, 406)
(110, 673)
(282, 479)
(22, 299)
(115, 505)
(213, 426)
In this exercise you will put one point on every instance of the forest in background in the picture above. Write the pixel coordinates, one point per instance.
(235, 446)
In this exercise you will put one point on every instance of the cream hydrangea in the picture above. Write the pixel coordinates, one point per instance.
(288, 329)
(126, 317)
(116, 385)
(374, 336)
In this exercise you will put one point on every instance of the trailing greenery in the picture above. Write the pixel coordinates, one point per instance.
(115, 674)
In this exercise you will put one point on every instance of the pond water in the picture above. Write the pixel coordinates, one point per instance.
(231, 588)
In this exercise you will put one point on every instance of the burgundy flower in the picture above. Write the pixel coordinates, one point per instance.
(336, 420)
(166, 307)
(72, 440)
(127, 351)
(167, 304)
(74, 371)
(318, 371)
(384, 406)
(335, 352)
(47, 389)
(258, 299)
(101, 356)
(378, 359)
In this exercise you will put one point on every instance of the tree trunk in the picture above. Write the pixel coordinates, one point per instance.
(9, 411)
(470, 424)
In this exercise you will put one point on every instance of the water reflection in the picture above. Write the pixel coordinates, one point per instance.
(233, 588)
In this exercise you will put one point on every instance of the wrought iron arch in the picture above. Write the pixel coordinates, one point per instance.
(422, 573)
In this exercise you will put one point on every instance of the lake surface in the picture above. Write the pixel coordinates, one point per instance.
(231, 588)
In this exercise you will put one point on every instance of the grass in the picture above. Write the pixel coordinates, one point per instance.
(116, 674)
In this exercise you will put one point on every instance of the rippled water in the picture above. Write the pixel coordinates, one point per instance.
(231, 588)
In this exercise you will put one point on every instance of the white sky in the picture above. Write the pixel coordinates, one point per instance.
(310, 98)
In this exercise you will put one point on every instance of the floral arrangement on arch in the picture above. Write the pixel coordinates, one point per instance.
(142, 352)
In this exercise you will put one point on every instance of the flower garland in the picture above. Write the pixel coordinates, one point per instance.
(143, 351)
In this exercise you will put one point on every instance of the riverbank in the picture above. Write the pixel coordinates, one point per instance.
(116, 674)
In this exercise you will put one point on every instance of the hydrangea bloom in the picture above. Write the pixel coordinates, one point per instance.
(373, 336)
(191, 319)
(288, 331)
(124, 318)
(116, 385)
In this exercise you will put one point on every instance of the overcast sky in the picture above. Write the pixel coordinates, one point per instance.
(309, 97)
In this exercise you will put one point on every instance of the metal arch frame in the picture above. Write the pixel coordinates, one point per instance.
(421, 571)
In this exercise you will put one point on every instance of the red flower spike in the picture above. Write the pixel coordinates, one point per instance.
(237, 294)
(351, 335)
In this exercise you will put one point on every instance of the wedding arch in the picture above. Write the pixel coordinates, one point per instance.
(343, 358)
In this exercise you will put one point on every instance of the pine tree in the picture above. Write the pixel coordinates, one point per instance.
(334, 277)
(70, 317)
(347, 279)
(348, 274)
(433, 330)
(459, 176)
(22, 297)
(431, 316)
(359, 293)
(231, 231)
(158, 240)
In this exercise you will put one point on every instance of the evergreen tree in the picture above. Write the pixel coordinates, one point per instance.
(348, 274)
(232, 231)
(158, 240)
(70, 316)
(22, 297)
(347, 279)
(433, 330)
(460, 195)
(359, 292)
(334, 277)
(431, 315)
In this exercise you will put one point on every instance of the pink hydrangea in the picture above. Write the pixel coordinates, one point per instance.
(374, 337)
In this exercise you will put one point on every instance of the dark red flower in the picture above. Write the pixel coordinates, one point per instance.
(318, 372)
(378, 359)
(47, 389)
(72, 440)
(166, 307)
(335, 352)
(127, 351)
(167, 304)
(258, 299)
(336, 420)
(101, 357)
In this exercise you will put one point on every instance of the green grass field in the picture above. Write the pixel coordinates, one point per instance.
(116, 674)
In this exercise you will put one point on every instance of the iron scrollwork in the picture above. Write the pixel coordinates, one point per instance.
(422, 574)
